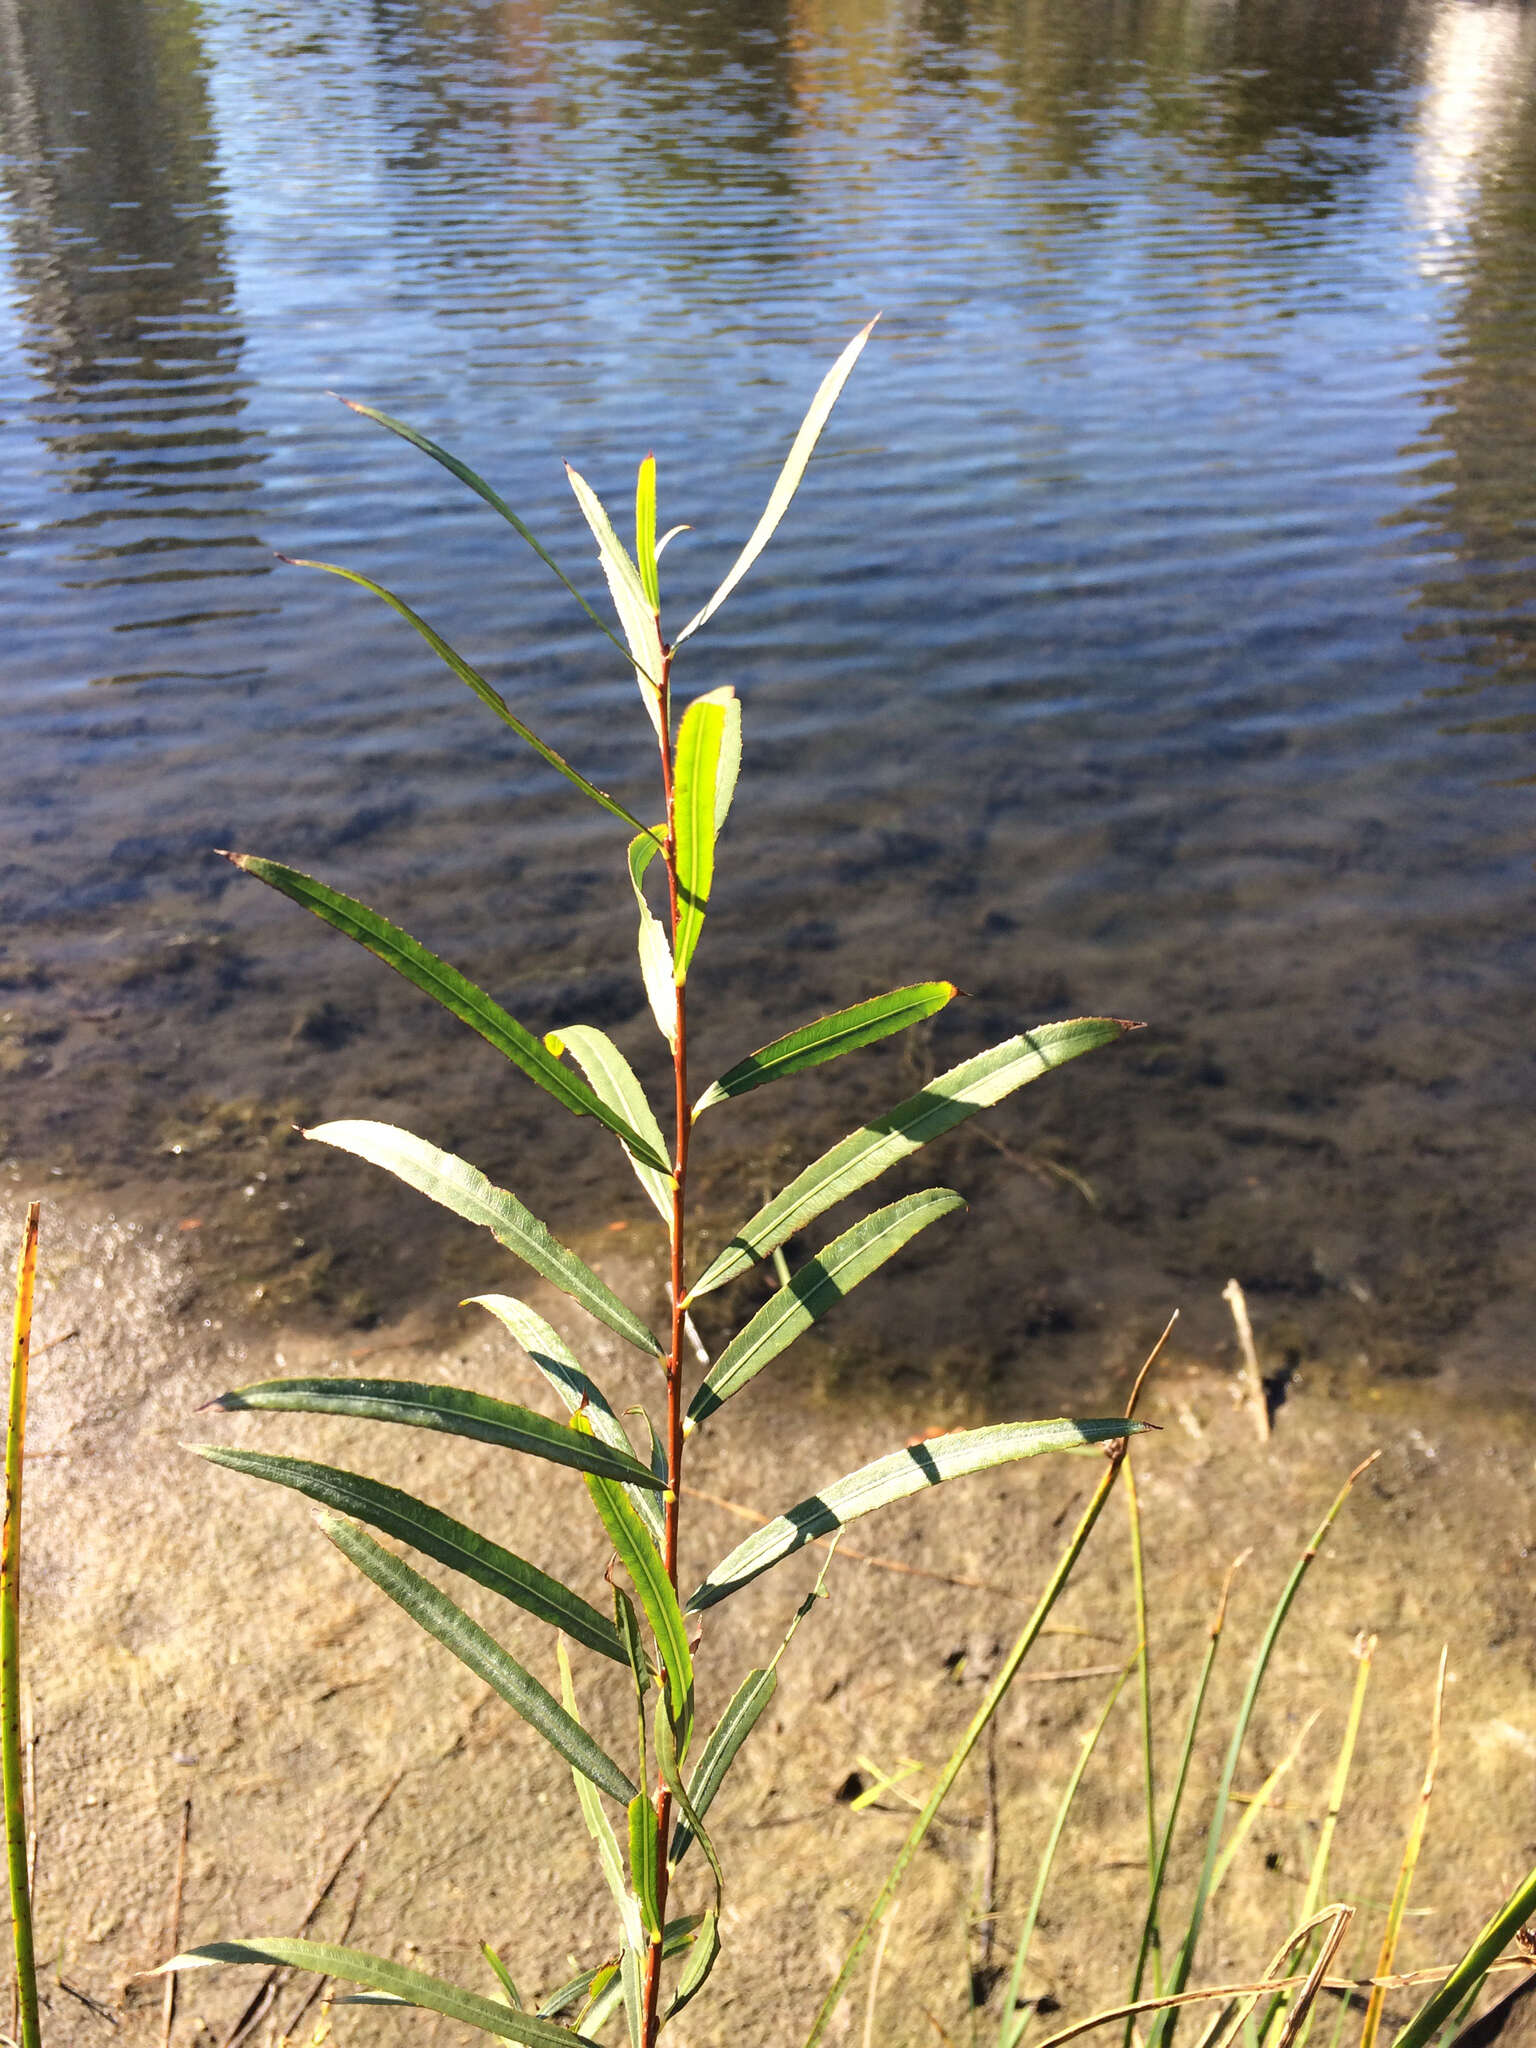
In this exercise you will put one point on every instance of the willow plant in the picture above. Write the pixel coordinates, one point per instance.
(645, 1817)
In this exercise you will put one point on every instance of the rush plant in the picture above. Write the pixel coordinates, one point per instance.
(646, 1813)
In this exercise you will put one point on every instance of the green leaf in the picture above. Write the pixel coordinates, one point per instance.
(412, 1987)
(503, 1976)
(655, 947)
(470, 1004)
(741, 1716)
(464, 1189)
(695, 807)
(556, 1362)
(829, 1037)
(728, 767)
(893, 1478)
(669, 1764)
(497, 503)
(789, 479)
(636, 615)
(492, 699)
(599, 1826)
(1470, 1972)
(612, 1079)
(975, 1084)
(645, 1861)
(479, 1652)
(642, 1560)
(645, 532)
(817, 1287)
(702, 1957)
(456, 1410)
(678, 1936)
(627, 1627)
(434, 1534)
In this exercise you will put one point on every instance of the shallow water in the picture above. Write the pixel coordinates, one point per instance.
(1153, 634)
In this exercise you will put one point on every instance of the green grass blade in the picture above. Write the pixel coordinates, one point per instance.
(1013, 2026)
(503, 1976)
(445, 985)
(1392, 1932)
(813, 1290)
(788, 480)
(472, 679)
(893, 1478)
(576, 1389)
(996, 1692)
(492, 498)
(642, 1560)
(612, 1079)
(1150, 1938)
(655, 946)
(479, 1652)
(435, 1535)
(695, 806)
(375, 1973)
(1143, 1685)
(463, 1188)
(458, 1411)
(645, 533)
(11, 1771)
(636, 615)
(946, 1101)
(828, 1038)
(1487, 1946)
(645, 1862)
(1179, 1980)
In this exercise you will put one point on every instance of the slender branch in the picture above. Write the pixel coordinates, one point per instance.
(674, 1359)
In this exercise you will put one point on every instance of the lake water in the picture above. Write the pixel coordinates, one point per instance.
(1154, 634)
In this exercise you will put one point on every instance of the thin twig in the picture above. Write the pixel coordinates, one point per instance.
(174, 1929)
(874, 1978)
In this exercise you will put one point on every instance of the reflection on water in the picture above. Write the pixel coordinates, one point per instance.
(1152, 635)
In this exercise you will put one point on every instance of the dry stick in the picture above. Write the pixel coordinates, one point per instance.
(996, 1692)
(1411, 1848)
(1237, 1301)
(874, 1978)
(175, 1923)
(10, 1640)
(1306, 1997)
(266, 1991)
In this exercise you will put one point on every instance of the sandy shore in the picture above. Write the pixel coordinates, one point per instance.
(194, 1649)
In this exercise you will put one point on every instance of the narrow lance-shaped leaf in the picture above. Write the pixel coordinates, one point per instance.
(435, 1535)
(636, 616)
(893, 1478)
(599, 1826)
(394, 1980)
(457, 994)
(695, 790)
(463, 1188)
(728, 767)
(702, 1957)
(655, 947)
(612, 1079)
(492, 498)
(645, 532)
(788, 481)
(434, 1612)
(645, 1861)
(828, 1038)
(946, 1101)
(573, 1384)
(641, 1559)
(472, 677)
(679, 1935)
(458, 1411)
(817, 1287)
